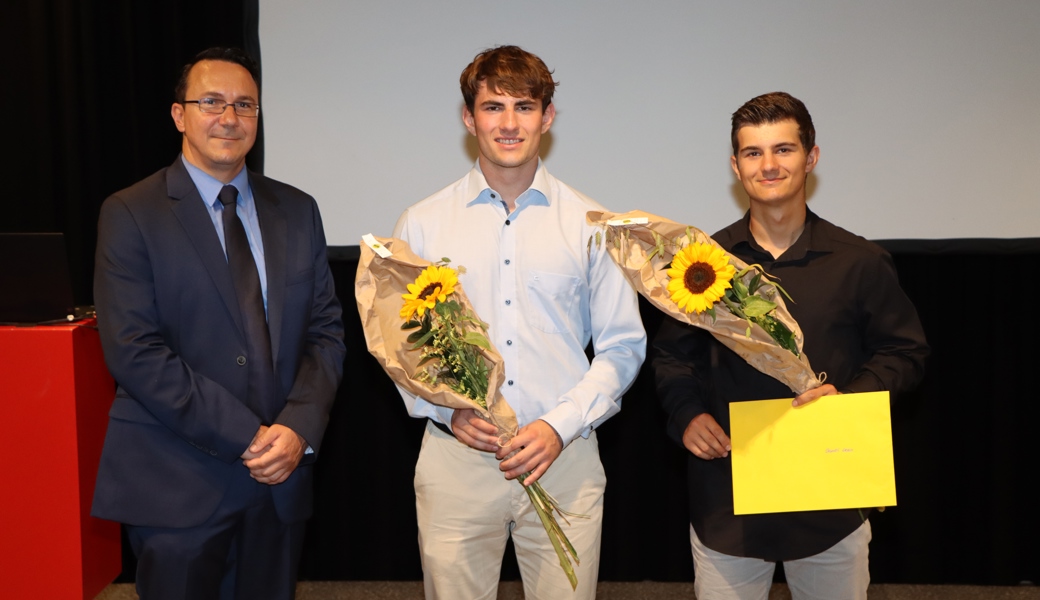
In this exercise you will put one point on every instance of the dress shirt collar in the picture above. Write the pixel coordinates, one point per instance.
(209, 187)
(812, 239)
(479, 192)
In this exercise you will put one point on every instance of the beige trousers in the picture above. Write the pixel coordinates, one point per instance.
(467, 510)
(838, 573)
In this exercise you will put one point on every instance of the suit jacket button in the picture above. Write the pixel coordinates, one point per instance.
(212, 452)
(241, 360)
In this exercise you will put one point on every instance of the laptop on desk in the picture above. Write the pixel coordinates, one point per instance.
(35, 285)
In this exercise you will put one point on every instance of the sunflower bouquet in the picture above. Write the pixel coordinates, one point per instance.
(684, 273)
(431, 343)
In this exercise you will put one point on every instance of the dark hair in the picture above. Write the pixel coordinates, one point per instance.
(509, 70)
(231, 55)
(771, 108)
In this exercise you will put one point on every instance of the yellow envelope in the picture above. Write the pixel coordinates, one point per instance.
(833, 453)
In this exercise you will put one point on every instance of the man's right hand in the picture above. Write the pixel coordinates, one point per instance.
(247, 455)
(472, 430)
(705, 438)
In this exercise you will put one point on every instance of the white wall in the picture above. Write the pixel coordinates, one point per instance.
(927, 111)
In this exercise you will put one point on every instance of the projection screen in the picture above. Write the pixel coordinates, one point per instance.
(927, 111)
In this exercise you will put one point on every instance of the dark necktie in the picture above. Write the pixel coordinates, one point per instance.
(251, 304)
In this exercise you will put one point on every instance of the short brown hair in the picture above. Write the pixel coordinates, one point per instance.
(508, 70)
(771, 108)
(231, 55)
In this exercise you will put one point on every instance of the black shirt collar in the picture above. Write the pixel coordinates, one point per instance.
(813, 240)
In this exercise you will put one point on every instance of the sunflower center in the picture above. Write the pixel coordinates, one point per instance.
(699, 277)
(430, 290)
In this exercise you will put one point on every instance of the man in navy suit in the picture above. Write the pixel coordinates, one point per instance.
(212, 435)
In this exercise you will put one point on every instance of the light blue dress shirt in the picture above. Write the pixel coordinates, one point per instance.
(544, 292)
(209, 188)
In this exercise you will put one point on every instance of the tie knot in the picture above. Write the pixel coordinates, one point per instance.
(228, 195)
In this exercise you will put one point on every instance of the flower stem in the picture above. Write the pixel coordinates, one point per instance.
(544, 509)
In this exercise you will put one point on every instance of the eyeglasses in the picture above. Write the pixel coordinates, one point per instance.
(213, 106)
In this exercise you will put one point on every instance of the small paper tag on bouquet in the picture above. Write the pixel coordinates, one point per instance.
(628, 221)
(376, 247)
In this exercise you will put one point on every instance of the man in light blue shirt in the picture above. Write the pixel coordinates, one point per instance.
(531, 274)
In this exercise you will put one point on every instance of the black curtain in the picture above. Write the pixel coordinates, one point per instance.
(88, 88)
(965, 456)
(89, 85)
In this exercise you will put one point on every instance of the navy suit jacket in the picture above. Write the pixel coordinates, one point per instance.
(172, 336)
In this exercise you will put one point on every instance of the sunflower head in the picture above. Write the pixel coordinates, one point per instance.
(699, 276)
(433, 285)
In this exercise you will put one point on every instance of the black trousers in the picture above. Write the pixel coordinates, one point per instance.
(243, 551)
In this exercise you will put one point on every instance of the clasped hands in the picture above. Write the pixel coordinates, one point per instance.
(706, 439)
(536, 445)
(273, 454)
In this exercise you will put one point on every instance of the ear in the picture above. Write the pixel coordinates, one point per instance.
(811, 159)
(177, 112)
(733, 164)
(467, 119)
(547, 117)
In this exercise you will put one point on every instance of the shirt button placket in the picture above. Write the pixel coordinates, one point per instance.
(509, 286)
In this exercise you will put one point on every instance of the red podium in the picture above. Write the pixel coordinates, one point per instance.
(55, 394)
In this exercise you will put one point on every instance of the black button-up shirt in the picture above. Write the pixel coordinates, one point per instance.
(859, 328)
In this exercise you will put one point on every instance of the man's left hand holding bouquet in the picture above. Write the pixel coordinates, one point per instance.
(538, 442)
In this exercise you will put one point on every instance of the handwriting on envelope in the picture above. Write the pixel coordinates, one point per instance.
(833, 453)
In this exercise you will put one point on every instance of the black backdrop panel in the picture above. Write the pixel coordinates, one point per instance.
(964, 449)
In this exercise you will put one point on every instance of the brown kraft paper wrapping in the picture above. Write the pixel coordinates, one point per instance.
(378, 287)
(630, 245)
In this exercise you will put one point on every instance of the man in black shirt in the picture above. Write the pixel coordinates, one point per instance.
(859, 328)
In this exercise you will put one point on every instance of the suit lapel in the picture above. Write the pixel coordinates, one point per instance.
(273, 231)
(191, 212)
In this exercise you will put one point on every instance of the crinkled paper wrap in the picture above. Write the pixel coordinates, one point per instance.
(378, 287)
(630, 244)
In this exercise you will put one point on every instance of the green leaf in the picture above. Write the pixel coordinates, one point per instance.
(779, 332)
(416, 335)
(755, 282)
(783, 291)
(421, 341)
(411, 325)
(475, 339)
(756, 306)
(733, 304)
(659, 248)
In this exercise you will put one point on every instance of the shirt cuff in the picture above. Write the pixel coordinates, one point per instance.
(681, 419)
(567, 422)
(444, 414)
